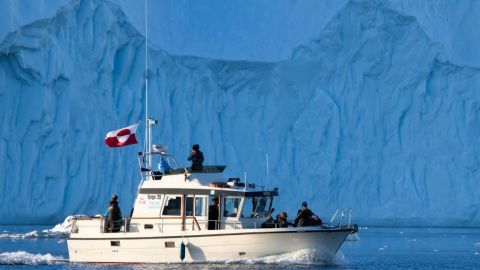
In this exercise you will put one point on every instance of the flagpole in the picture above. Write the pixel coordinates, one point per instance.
(147, 122)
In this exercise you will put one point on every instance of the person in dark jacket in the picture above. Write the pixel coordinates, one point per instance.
(213, 212)
(196, 157)
(113, 216)
(304, 216)
(281, 221)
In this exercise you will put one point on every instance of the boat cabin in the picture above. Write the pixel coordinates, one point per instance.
(175, 199)
(181, 200)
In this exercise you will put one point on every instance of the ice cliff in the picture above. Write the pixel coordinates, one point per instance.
(372, 114)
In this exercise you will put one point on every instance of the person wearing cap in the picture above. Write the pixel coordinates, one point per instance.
(303, 216)
(113, 216)
(213, 215)
(196, 157)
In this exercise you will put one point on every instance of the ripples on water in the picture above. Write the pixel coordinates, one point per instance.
(36, 247)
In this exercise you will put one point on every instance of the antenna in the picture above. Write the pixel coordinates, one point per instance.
(245, 177)
(268, 172)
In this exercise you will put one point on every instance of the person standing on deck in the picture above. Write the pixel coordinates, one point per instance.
(196, 157)
(113, 215)
(213, 212)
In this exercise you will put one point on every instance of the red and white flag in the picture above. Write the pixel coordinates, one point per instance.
(122, 137)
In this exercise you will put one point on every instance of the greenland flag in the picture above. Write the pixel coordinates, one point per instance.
(122, 137)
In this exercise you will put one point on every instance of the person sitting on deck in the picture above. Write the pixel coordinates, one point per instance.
(303, 216)
(113, 216)
(281, 220)
(196, 157)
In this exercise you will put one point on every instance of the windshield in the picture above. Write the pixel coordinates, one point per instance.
(257, 206)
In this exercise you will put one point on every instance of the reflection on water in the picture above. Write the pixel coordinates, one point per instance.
(372, 248)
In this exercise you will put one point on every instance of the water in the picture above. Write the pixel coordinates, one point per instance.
(44, 247)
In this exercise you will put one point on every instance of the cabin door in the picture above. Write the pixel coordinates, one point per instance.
(195, 213)
(230, 209)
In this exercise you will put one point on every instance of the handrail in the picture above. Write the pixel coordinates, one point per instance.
(340, 213)
(334, 215)
(196, 222)
(102, 217)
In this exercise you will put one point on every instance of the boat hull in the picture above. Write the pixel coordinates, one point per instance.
(204, 246)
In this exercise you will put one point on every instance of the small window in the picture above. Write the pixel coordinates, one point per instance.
(247, 210)
(172, 207)
(257, 206)
(199, 206)
(230, 206)
(261, 209)
(189, 207)
(115, 243)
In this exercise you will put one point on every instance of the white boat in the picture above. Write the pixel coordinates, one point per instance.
(169, 223)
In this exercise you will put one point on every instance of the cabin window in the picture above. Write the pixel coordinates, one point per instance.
(231, 206)
(189, 207)
(198, 207)
(172, 207)
(257, 206)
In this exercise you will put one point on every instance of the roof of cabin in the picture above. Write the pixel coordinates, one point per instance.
(199, 183)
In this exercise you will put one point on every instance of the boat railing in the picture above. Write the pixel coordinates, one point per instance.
(339, 215)
(162, 224)
(196, 225)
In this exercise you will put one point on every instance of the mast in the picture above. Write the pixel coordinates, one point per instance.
(148, 131)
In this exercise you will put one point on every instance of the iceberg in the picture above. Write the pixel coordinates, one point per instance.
(375, 113)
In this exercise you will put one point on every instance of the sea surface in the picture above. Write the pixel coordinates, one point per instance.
(45, 247)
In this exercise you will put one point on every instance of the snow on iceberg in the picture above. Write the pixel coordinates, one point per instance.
(371, 115)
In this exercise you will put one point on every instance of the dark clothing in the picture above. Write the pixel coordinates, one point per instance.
(114, 217)
(281, 221)
(213, 217)
(303, 217)
(197, 160)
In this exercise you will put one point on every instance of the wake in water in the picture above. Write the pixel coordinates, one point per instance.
(61, 230)
(25, 258)
(302, 257)
(353, 237)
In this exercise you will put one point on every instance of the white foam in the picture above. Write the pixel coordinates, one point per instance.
(353, 237)
(476, 245)
(384, 247)
(61, 230)
(32, 234)
(22, 257)
(304, 256)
